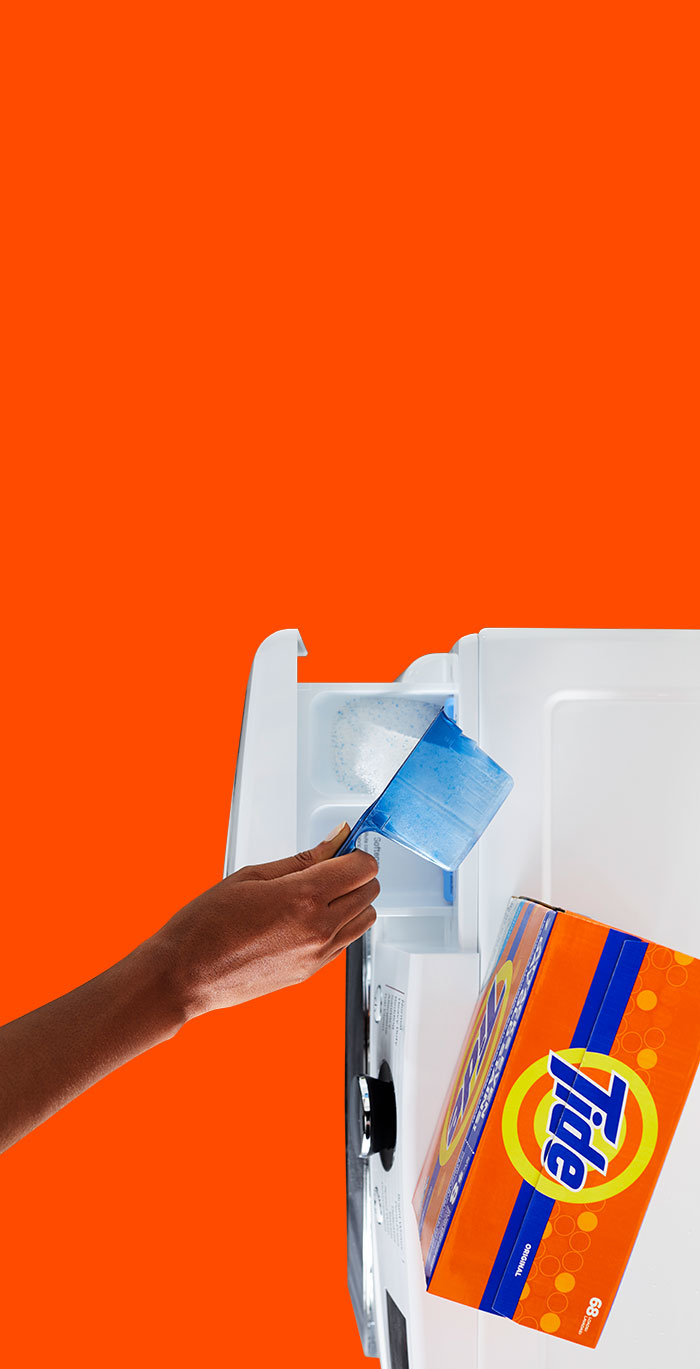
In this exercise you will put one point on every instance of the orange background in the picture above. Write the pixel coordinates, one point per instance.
(380, 322)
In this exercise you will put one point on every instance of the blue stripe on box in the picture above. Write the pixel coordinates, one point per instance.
(526, 910)
(598, 987)
(616, 999)
(514, 1226)
(596, 1029)
(522, 1252)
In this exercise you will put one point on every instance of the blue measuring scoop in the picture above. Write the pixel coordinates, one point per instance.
(440, 800)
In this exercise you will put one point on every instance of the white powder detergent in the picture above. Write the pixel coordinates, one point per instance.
(371, 737)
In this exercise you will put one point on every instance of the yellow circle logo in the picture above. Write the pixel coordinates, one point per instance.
(575, 1136)
(476, 1058)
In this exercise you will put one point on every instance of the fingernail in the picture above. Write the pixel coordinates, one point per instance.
(336, 831)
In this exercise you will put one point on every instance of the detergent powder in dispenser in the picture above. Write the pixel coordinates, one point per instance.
(573, 1075)
(441, 799)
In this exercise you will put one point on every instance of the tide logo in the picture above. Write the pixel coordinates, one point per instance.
(580, 1108)
(476, 1058)
(575, 1118)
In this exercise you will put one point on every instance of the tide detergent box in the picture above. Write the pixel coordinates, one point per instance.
(575, 1068)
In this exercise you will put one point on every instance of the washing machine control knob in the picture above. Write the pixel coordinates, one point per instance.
(375, 1104)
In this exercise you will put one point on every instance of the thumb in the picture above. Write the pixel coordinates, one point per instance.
(330, 844)
(324, 850)
(303, 860)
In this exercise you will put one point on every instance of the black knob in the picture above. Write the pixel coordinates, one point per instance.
(375, 1105)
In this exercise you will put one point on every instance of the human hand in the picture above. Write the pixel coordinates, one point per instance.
(268, 926)
(264, 927)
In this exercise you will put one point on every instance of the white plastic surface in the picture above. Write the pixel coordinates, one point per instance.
(601, 732)
(263, 822)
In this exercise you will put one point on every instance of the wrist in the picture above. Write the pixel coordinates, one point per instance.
(173, 975)
(159, 972)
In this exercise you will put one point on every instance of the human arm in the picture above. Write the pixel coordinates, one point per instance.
(261, 929)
